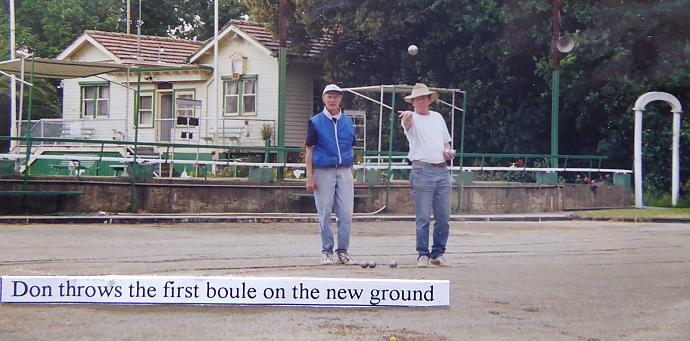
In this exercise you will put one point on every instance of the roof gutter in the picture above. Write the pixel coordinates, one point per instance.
(178, 68)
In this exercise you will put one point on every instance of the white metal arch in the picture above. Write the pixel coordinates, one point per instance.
(676, 109)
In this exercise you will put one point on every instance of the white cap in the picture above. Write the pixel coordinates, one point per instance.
(332, 87)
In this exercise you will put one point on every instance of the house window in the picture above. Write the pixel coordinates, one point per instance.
(232, 97)
(240, 96)
(95, 100)
(184, 111)
(146, 110)
(249, 97)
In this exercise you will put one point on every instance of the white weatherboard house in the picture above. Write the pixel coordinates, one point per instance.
(175, 70)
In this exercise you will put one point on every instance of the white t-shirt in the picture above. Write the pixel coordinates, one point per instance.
(427, 137)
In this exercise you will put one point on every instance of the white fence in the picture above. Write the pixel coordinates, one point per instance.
(226, 131)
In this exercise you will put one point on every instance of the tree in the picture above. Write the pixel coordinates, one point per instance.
(499, 51)
(48, 26)
(186, 19)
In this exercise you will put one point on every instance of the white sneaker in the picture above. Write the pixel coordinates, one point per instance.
(327, 258)
(345, 258)
(439, 261)
(423, 261)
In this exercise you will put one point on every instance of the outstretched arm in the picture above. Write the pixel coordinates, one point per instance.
(405, 119)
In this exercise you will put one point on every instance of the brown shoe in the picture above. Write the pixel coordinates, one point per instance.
(345, 258)
(439, 261)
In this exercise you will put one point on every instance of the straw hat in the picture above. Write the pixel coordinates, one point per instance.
(419, 90)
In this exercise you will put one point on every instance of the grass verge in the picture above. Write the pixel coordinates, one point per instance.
(642, 213)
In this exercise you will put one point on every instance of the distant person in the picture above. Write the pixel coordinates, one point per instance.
(429, 142)
(329, 160)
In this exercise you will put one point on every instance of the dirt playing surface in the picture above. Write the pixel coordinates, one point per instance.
(527, 281)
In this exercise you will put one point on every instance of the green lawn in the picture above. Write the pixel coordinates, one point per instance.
(652, 212)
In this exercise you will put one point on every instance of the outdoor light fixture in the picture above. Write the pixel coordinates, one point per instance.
(237, 63)
(565, 43)
(560, 43)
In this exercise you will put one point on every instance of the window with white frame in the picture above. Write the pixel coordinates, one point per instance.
(249, 97)
(95, 100)
(184, 111)
(240, 96)
(232, 97)
(146, 110)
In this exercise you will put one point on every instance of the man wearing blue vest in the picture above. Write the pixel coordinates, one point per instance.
(329, 160)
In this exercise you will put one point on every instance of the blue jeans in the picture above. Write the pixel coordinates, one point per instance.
(431, 190)
(335, 192)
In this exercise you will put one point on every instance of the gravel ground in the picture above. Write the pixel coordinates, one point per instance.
(509, 281)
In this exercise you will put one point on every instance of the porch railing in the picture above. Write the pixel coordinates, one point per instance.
(76, 129)
(226, 131)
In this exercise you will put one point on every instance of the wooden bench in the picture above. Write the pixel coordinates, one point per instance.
(147, 155)
(120, 169)
(230, 132)
(59, 195)
(88, 133)
(78, 133)
(75, 165)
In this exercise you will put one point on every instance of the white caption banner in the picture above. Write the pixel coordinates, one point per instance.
(279, 291)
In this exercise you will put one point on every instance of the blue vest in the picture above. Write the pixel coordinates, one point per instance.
(334, 141)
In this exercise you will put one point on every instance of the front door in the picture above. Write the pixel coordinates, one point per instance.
(166, 120)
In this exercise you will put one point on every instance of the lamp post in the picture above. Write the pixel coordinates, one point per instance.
(13, 83)
(282, 80)
(17, 127)
(27, 159)
(564, 44)
(555, 80)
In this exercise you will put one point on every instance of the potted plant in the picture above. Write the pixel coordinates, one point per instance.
(263, 174)
(266, 133)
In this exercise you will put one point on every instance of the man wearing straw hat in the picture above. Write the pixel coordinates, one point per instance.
(429, 142)
(329, 159)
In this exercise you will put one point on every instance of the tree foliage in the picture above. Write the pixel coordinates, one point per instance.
(500, 52)
(46, 27)
(186, 19)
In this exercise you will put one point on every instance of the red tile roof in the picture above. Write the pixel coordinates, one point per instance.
(261, 34)
(159, 50)
(153, 50)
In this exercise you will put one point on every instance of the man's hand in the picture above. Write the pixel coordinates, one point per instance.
(311, 184)
(405, 118)
(448, 153)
